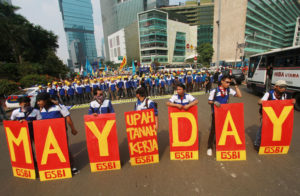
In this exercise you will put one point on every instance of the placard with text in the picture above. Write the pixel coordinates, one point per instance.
(183, 130)
(142, 137)
(230, 132)
(19, 145)
(52, 149)
(102, 142)
(277, 126)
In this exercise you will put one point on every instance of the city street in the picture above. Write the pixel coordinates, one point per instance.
(258, 175)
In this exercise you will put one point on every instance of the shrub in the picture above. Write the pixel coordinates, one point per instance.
(34, 79)
(7, 87)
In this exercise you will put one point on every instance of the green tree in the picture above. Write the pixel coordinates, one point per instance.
(205, 52)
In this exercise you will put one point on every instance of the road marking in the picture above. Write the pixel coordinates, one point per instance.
(132, 100)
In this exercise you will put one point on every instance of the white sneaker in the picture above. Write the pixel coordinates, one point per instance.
(209, 152)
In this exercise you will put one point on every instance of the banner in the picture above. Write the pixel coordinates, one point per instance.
(52, 149)
(230, 132)
(142, 137)
(19, 145)
(277, 126)
(102, 142)
(183, 128)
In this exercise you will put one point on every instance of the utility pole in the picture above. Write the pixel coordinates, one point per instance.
(219, 34)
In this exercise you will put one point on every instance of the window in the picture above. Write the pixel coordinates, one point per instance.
(110, 43)
(118, 41)
(119, 51)
(115, 51)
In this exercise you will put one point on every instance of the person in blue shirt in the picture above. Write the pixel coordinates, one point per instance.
(120, 87)
(218, 96)
(189, 82)
(144, 103)
(70, 94)
(61, 92)
(52, 90)
(100, 105)
(112, 89)
(181, 100)
(87, 90)
(162, 85)
(49, 110)
(278, 93)
(41, 89)
(79, 89)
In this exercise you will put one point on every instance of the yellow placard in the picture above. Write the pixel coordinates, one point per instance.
(142, 160)
(274, 149)
(184, 155)
(105, 166)
(24, 173)
(237, 155)
(55, 174)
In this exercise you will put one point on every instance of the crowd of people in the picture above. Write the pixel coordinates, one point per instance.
(81, 90)
(99, 92)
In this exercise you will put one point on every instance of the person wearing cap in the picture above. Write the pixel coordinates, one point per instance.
(95, 84)
(128, 87)
(189, 82)
(218, 96)
(87, 90)
(162, 85)
(41, 89)
(61, 92)
(182, 100)
(144, 103)
(112, 89)
(278, 93)
(49, 110)
(52, 90)
(169, 82)
(29, 114)
(100, 105)
(120, 87)
(70, 93)
(79, 89)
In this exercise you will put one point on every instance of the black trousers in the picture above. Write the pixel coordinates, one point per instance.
(212, 138)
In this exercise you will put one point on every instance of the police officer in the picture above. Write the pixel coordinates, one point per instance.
(218, 96)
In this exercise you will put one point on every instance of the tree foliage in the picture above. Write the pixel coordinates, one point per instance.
(26, 49)
(205, 52)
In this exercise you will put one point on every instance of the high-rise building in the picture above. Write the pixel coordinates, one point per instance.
(297, 33)
(164, 40)
(78, 23)
(198, 14)
(118, 14)
(248, 27)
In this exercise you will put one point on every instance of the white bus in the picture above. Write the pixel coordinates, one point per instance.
(286, 66)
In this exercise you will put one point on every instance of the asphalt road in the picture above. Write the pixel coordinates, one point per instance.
(258, 175)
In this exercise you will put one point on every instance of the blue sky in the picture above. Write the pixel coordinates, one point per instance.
(46, 14)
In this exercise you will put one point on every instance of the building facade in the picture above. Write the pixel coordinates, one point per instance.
(124, 43)
(197, 14)
(164, 40)
(118, 14)
(78, 23)
(297, 33)
(248, 27)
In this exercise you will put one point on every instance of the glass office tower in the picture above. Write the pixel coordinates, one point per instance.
(270, 25)
(153, 36)
(118, 14)
(79, 28)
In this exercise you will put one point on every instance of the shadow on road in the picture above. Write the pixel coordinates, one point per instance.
(163, 141)
(251, 132)
(124, 152)
(80, 154)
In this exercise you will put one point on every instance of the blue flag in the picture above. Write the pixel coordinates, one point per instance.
(133, 68)
(105, 69)
(88, 67)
